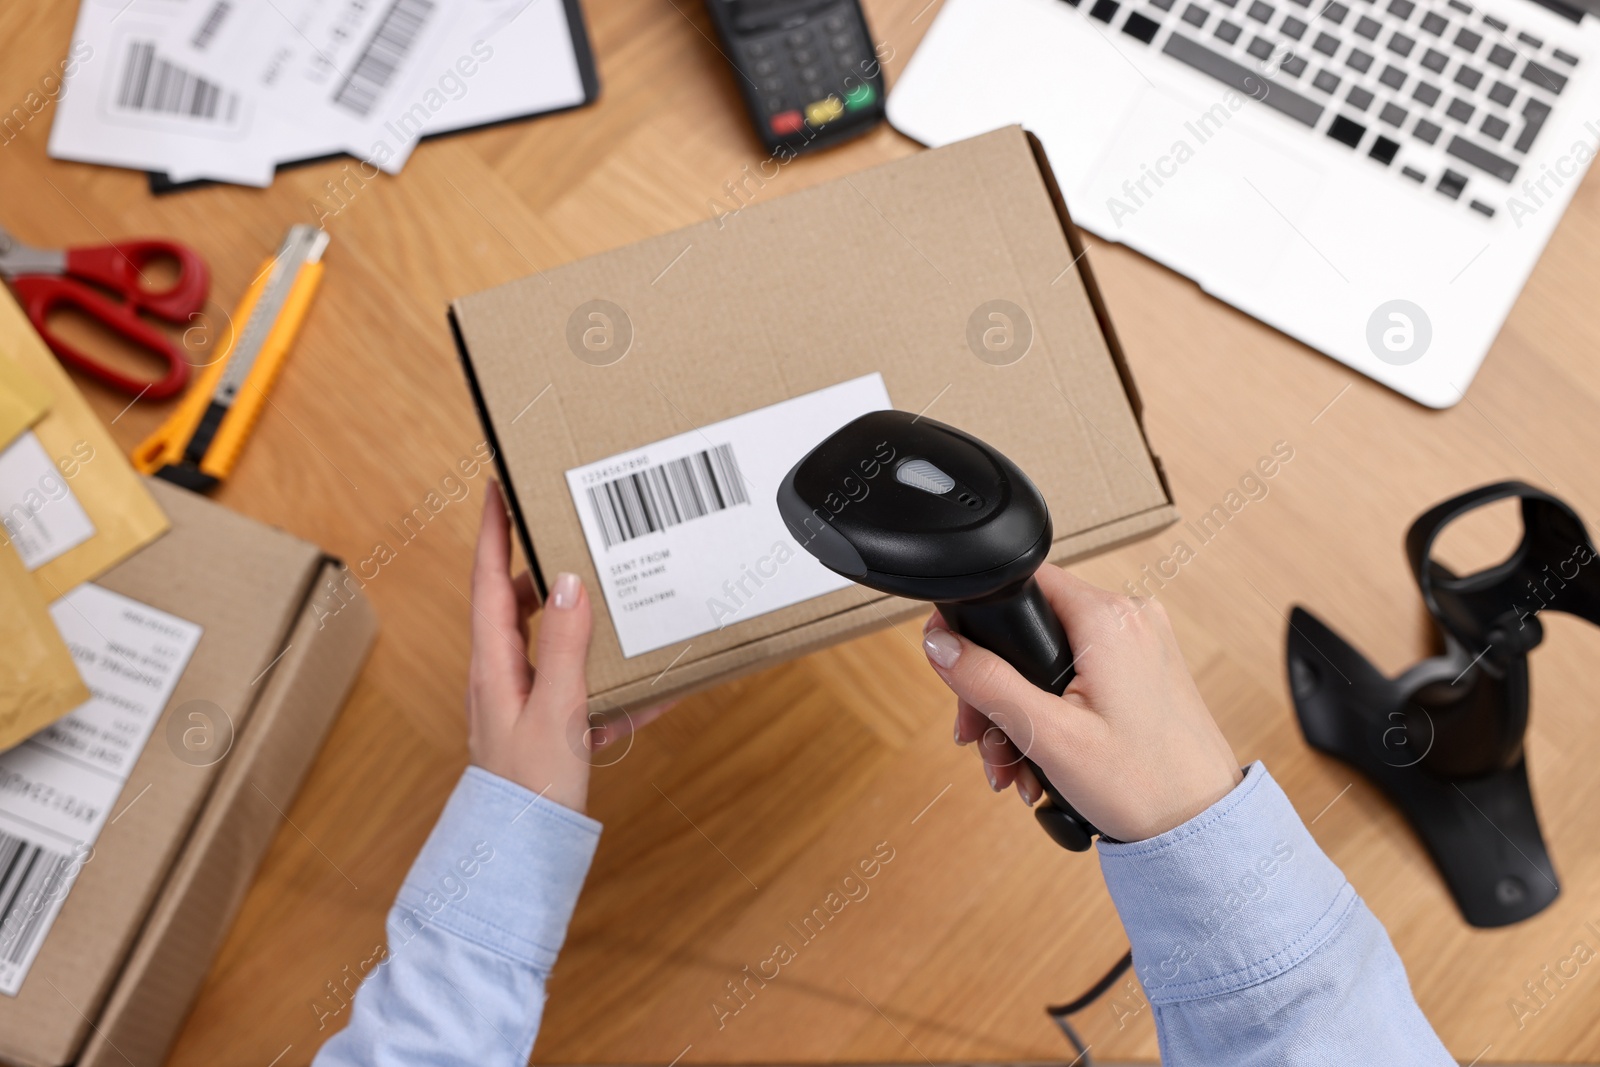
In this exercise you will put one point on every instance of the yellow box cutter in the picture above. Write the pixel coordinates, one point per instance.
(198, 445)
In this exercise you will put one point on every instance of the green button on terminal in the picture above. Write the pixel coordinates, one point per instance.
(859, 97)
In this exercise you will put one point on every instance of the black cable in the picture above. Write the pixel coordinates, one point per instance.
(1099, 990)
(1083, 1059)
(1058, 1014)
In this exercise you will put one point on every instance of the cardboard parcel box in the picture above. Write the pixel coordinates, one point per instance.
(143, 819)
(644, 403)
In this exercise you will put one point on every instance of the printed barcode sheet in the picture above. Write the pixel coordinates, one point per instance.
(667, 494)
(384, 55)
(685, 533)
(32, 877)
(150, 83)
(207, 30)
(59, 788)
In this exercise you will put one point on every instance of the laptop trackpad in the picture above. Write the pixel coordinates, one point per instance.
(1189, 181)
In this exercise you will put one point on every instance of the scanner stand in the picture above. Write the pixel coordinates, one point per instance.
(1444, 739)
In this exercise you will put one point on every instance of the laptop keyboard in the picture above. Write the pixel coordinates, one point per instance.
(1445, 96)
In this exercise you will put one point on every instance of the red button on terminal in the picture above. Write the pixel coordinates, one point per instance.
(787, 122)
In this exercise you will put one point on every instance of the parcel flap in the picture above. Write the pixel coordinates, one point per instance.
(38, 681)
(23, 400)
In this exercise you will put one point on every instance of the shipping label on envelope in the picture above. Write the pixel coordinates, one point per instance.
(104, 498)
(38, 681)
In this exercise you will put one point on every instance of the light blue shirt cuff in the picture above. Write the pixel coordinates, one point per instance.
(1236, 896)
(502, 869)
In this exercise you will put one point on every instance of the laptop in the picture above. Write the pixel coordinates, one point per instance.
(1375, 178)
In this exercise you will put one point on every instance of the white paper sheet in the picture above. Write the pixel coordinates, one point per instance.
(525, 65)
(58, 788)
(685, 533)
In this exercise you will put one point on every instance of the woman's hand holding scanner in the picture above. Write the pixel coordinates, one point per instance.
(910, 506)
(1130, 740)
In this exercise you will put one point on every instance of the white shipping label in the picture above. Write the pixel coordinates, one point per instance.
(41, 515)
(128, 103)
(685, 533)
(58, 788)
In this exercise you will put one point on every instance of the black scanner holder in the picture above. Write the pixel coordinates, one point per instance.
(1444, 739)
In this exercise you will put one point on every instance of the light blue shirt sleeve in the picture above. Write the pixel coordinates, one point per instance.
(472, 935)
(1251, 946)
(1253, 949)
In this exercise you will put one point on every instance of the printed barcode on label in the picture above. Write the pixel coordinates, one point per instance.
(384, 54)
(31, 880)
(208, 29)
(150, 83)
(667, 494)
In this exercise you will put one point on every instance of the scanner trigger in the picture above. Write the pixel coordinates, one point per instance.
(1064, 829)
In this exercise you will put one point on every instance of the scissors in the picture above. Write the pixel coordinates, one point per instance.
(47, 279)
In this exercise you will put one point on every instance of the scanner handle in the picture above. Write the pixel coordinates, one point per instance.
(1019, 626)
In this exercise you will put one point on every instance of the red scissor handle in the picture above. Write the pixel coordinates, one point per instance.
(42, 294)
(120, 267)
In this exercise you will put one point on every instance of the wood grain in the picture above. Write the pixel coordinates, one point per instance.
(739, 813)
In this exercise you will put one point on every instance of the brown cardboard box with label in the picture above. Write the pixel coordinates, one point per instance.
(121, 964)
(955, 275)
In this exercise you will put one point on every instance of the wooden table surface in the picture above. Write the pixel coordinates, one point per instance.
(744, 809)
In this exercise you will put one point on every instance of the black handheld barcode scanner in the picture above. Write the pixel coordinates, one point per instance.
(909, 506)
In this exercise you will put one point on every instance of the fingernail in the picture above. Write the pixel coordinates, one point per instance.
(1025, 790)
(943, 647)
(565, 592)
(958, 733)
(994, 783)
